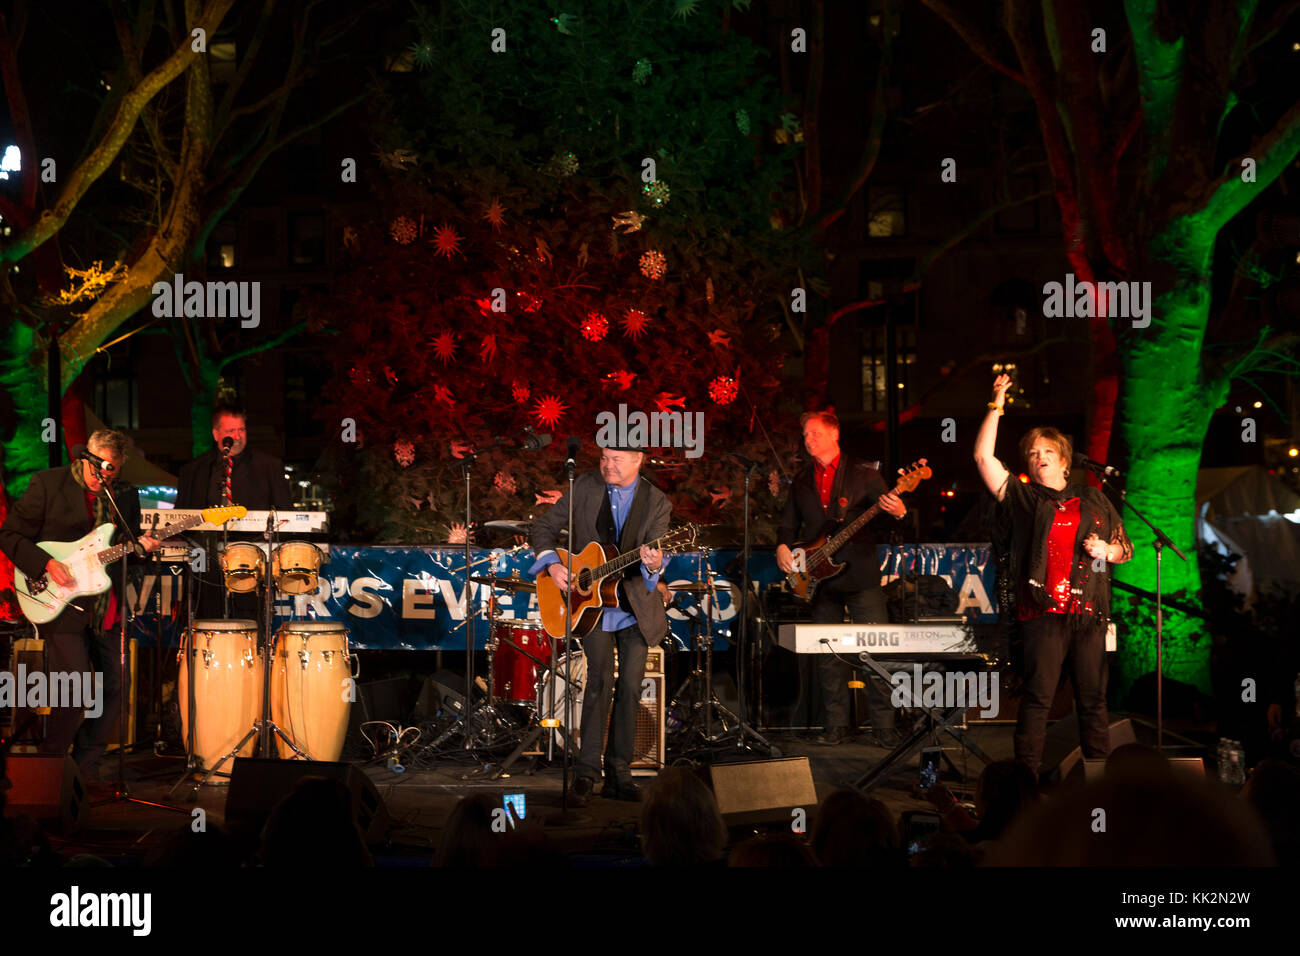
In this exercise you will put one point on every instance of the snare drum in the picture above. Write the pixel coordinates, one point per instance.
(295, 567)
(243, 566)
(227, 690)
(514, 673)
(311, 688)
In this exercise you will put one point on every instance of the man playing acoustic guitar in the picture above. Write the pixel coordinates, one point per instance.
(613, 505)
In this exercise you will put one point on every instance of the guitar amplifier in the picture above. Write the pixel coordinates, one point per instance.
(28, 652)
(650, 746)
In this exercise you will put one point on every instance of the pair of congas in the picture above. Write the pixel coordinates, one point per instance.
(312, 686)
(295, 567)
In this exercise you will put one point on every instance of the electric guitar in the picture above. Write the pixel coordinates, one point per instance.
(812, 560)
(86, 558)
(594, 584)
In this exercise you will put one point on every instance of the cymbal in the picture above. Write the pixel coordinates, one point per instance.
(505, 584)
(514, 527)
(698, 587)
(717, 536)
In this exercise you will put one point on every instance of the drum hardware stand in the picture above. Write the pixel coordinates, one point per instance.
(120, 792)
(940, 719)
(264, 727)
(463, 724)
(187, 661)
(706, 700)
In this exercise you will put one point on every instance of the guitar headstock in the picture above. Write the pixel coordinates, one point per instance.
(222, 515)
(679, 539)
(918, 473)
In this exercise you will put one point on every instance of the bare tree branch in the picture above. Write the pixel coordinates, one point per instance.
(979, 44)
(105, 151)
(1229, 194)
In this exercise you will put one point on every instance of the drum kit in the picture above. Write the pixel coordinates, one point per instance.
(294, 688)
(523, 697)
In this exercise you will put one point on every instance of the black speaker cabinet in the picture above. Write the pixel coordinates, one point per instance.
(763, 791)
(257, 785)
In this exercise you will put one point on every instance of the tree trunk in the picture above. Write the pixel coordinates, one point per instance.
(1164, 414)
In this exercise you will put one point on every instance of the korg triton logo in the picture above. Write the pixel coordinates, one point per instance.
(892, 638)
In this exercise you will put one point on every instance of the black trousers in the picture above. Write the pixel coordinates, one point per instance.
(598, 647)
(80, 652)
(864, 607)
(1049, 644)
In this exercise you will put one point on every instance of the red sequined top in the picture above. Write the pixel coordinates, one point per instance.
(1060, 557)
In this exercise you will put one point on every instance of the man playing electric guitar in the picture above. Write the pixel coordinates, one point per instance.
(615, 505)
(832, 490)
(64, 504)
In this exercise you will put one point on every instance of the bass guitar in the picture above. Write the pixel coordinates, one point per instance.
(813, 562)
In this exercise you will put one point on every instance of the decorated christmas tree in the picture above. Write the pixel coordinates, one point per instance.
(581, 211)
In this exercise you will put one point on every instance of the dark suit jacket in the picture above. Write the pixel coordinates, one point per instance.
(860, 485)
(257, 484)
(54, 509)
(588, 496)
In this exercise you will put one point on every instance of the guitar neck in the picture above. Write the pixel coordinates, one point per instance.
(109, 555)
(628, 559)
(849, 530)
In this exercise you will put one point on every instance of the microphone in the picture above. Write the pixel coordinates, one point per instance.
(85, 454)
(749, 463)
(227, 443)
(1085, 462)
(574, 444)
(534, 441)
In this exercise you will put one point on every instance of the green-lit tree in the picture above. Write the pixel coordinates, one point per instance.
(1140, 112)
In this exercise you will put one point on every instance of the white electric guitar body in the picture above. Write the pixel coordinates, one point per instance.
(87, 560)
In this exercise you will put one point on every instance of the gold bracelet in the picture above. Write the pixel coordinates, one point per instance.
(994, 407)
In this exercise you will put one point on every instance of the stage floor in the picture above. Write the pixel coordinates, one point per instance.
(420, 800)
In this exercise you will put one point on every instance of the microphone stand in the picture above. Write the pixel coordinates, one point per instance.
(565, 816)
(120, 792)
(1159, 542)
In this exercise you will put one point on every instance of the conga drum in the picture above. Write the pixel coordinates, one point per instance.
(311, 688)
(227, 682)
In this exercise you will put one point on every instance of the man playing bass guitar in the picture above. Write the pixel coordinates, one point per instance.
(831, 490)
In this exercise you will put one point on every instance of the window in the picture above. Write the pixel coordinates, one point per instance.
(875, 373)
(886, 212)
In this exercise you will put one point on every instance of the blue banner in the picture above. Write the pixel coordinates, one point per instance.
(405, 598)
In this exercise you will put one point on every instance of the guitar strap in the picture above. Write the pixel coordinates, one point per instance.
(835, 511)
(635, 518)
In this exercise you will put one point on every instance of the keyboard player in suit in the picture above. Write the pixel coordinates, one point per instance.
(256, 481)
(836, 488)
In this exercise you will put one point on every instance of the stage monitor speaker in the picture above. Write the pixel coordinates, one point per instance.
(48, 788)
(1062, 753)
(1094, 770)
(763, 791)
(257, 785)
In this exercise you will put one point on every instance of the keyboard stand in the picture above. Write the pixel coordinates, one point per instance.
(896, 760)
